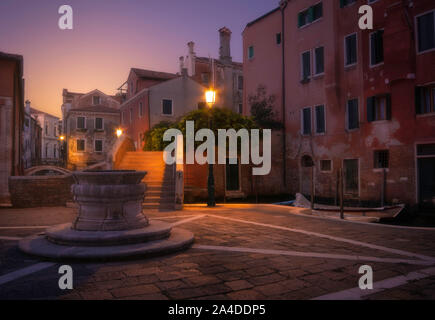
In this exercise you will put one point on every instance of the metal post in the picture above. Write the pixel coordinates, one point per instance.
(312, 188)
(383, 188)
(337, 186)
(210, 186)
(341, 183)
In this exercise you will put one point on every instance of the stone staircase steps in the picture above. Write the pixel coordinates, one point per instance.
(160, 193)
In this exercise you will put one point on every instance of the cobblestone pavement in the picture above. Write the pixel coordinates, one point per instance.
(240, 252)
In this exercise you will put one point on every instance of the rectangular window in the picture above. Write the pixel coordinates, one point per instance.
(376, 47)
(140, 109)
(98, 145)
(426, 31)
(251, 52)
(240, 82)
(123, 117)
(424, 100)
(326, 165)
(95, 100)
(350, 48)
(205, 78)
(167, 107)
(306, 121)
(319, 60)
(99, 123)
(381, 159)
(310, 15)
(345, 3)
(306, 65)
(426, 149)
(131, 115)
(46, 129)
(80, 145)
(352, 114)
(320, 119)
(54, 131)
(278, 38)
(81, 123)
(240, 108)
(379, 108)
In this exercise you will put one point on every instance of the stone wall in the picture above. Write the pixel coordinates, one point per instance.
(40, 191)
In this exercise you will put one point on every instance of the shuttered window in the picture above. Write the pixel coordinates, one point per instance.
(167, 107)
(319, 60)
(379, 108)
(306, 65)
(424, 100)
(426, 31)
(377, 47)
(320, 119)
(352, 114)
(310, 15)
(350, 43)
(306, 121)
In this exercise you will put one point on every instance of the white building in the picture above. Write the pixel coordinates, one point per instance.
(50, 136)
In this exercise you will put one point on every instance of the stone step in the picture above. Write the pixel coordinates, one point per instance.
(167, 206)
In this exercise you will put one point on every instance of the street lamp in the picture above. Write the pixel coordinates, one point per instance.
(210, 98)
(62, 149)
(119, 133)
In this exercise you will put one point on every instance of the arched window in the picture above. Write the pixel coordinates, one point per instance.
(307, 161)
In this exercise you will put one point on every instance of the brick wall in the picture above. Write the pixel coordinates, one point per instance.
(40, 191)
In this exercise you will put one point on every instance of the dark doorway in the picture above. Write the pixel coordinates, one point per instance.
(307, 167)
(351, 176)
(426, 178)
(232, 180)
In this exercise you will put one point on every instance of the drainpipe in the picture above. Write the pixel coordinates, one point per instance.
(283, 5)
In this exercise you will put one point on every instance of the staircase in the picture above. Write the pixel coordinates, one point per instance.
(160, 180)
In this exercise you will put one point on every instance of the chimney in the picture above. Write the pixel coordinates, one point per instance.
(191, 59)
(225, 46)
(27, 106)
(181, 64)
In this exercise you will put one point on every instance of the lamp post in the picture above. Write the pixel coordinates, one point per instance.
(62, 149)
(119, 133)
(210, 98)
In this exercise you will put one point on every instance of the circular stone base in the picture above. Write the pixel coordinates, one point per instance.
(179, 239)
(64, 235)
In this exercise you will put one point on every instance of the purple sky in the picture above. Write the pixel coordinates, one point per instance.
(111, 36)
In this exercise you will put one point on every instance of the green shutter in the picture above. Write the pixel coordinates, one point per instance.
(300, 21)
(370, 109)
(388, 101)
(341, 3)
(311, 14)
(418, 108)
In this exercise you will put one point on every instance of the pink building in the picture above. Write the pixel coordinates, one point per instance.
(353, 99)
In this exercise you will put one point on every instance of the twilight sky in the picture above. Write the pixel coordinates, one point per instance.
(111, 36)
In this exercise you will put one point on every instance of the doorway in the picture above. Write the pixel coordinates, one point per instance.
(426, 175)
(232, 176)
(351, 176)
(307, 167)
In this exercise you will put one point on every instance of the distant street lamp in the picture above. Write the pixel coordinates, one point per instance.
(62, 149)
(119, 133)
(210, 98)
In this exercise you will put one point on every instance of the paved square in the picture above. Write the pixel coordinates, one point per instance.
(240, 252)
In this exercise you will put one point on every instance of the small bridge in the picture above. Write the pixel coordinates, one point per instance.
(42, 170)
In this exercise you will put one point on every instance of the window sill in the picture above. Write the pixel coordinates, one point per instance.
(352, 130)
(374, 66)
(305, 81)
(425, 115)
(379, 121)
(380, 170)
(167, 115)
(318, 76)
(310, 23)
(350, 67)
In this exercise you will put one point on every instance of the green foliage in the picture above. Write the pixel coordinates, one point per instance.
(217, 118)
(262, 109)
